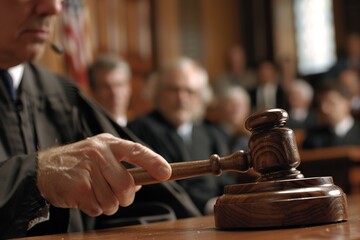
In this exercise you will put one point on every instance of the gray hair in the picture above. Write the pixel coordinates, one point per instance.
(183, 63)
(107, 62)
(229, 91)
(306, 90)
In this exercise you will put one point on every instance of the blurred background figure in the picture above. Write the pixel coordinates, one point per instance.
(110, 86)
(237, 71)
(233, 107)
(268, 93)
(300, 99)
(350, 59)
(175, 129)
(287, 72)
(338, 126)
(350, 79)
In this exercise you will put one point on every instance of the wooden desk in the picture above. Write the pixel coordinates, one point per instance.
(203, 228)
(342, 163)
(352, 153)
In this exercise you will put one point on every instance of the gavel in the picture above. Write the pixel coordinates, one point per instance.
(281, 196)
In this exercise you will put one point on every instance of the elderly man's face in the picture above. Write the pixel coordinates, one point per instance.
(180, 99)
(25, 29)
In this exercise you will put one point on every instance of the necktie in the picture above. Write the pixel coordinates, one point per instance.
(9, 84)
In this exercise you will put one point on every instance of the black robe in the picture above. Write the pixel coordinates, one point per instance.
(51, 111)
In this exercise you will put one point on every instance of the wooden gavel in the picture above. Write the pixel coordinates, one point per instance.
(273, 153)
(281, 197)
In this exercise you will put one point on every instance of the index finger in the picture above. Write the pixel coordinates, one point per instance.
(142, 156)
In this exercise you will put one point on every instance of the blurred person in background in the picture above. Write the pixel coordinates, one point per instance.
(176, 131)
(338, 127)
(232, 108)
(268, 93)
(287, 72)
(237, 71)
(110, 85)
(350, 79)
(300, 99)
(349, 60)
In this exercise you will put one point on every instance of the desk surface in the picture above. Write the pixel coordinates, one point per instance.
(203, 228)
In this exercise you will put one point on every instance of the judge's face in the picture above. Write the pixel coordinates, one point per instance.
(25, 29)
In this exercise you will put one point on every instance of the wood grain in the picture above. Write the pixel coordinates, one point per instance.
(203, 228)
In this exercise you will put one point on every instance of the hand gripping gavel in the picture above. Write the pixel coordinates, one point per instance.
(281, 196)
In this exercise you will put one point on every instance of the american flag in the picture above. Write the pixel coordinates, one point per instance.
(76, 39)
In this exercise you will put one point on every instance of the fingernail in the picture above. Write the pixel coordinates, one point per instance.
(164, 173)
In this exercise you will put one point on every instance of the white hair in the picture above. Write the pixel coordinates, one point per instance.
(184, 63)
(306, 90)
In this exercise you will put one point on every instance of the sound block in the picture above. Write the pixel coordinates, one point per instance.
(281, 203)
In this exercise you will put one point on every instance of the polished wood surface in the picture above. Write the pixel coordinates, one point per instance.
(292, 202)
(340, 162)
(323, 154)
(203, 228)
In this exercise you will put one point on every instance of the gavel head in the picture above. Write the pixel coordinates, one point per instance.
(273, 150)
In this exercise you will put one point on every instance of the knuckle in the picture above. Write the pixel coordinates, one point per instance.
(126, 197)
(105, 136)
(92, 211)
(138, 149)
(94, 152)
(111, 207)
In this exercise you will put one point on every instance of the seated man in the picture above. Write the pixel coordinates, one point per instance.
(175, 129)
(233, 107)
(110, 86)
(268, 92)
(339, 127)
(301, 113)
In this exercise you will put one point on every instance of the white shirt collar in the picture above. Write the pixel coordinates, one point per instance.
(343, 127)
(299, 114)
(17, 73)
(185, 132)
(122, 121)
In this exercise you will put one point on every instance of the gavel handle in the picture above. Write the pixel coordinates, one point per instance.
(238, 161)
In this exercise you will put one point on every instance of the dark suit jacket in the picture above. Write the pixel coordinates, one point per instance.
(162, 137)
(309, 122)
(319, 137)
(280, 98)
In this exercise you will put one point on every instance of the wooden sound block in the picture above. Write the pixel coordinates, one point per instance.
(281, 203)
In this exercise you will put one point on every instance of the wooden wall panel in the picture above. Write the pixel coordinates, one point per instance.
(167, 31)
(221, 29)
(284, 32)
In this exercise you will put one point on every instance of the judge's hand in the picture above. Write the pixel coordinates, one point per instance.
(89, 174)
